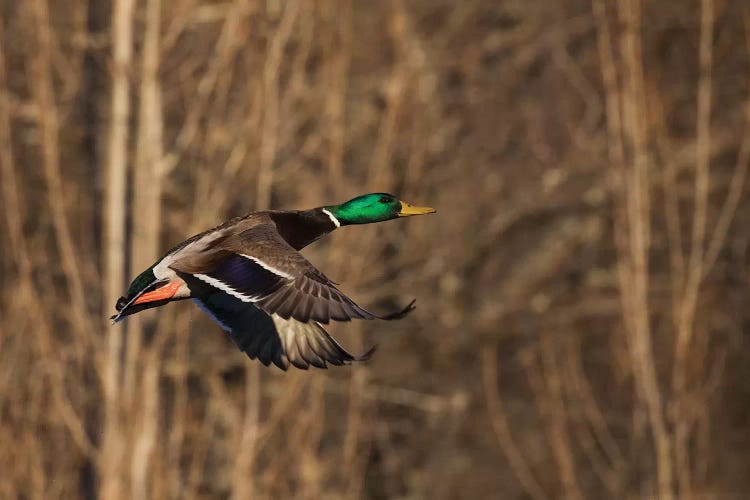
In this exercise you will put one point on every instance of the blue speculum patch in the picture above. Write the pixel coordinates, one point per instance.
(246, 276)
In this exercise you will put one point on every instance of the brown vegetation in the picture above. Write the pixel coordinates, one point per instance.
(582, 292)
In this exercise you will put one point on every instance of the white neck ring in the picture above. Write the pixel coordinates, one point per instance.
(333, 219)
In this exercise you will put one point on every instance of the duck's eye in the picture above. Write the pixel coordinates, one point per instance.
(385, 199)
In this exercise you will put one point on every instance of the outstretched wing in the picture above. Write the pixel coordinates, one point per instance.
(272, 339)
(259, 267)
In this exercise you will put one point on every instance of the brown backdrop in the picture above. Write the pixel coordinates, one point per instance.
(582, 291)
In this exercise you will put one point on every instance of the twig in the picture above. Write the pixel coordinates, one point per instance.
(500, 425)
(736, 184)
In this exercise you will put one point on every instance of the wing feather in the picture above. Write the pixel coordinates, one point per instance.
(273, 339)
(258, 266)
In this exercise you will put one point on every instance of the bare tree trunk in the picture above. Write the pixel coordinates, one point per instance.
(146, 216)
(631, 184)
(111, 484)
(12, 202)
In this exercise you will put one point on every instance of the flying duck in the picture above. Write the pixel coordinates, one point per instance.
(248, 276)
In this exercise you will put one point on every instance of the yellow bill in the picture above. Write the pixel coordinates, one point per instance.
(407, 210)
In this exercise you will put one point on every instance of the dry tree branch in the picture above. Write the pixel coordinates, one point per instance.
(610, 467)
(200, 452)
(312, 465)
(12, 202)
(36, 17)
(696, 261)
(270, 133)
(427, 403)
(736, 184)
(243, 480)
(284, 405)
(500, 425)
(673, 220)
(632, 229)
(638, 221)
(54, 376)
(586, 92)
(48, 122)
(226, 47)
(181, 13)
(177, 418)
(558, 427)
(336, 100)
(145, 440)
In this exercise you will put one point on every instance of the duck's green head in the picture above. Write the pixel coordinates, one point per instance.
(373, 207)
(138, 285)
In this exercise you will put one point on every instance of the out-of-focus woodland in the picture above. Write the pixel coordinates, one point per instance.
(582, 291)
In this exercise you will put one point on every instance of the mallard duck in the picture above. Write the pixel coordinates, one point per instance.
(248, 276)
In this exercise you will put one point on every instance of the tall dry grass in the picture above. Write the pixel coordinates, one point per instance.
(581, 292)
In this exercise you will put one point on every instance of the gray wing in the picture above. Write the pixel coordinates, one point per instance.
(257, 266)
(272, 339)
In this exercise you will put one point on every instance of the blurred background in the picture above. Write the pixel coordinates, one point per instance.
(582, 292)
